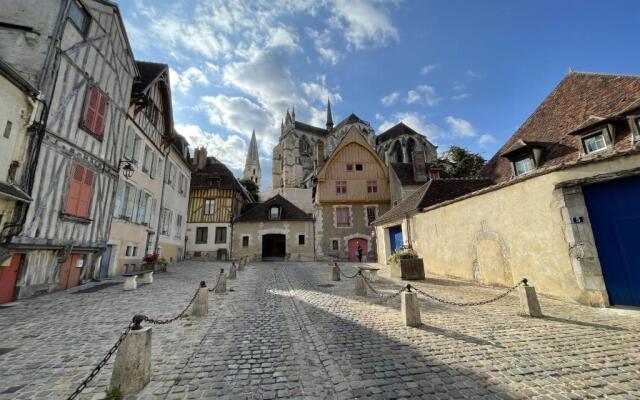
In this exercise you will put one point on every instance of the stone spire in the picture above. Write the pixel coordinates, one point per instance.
(329, 116)
(252, 164)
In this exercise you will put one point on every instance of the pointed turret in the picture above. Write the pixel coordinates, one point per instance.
(293, 114)
(287, 118)
(252, 164)
(329, 116)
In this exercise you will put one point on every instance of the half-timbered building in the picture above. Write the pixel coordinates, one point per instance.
(76, 53)
(215, 198)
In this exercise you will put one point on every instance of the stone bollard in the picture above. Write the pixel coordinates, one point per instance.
(232, 271)
(410, 309)
(132, 367)
(201, 303)
(335, 273)
(221, 287)
(241, 263)
(360, 286)
(529, 304)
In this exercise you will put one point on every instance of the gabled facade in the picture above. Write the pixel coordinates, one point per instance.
(76, 53)
(215, 198)
(352, 189)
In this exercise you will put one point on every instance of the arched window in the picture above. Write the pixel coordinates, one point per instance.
(305, 148)
(396, 152)
(411, 147)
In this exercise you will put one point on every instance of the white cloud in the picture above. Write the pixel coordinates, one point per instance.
(416, 121)
(364, 25)
(231, 150)
(423, 93)
(461, 127)
(237, 114)
(471, 74)
(321, 41)
(182, 82)
(319, 91)
(390, 99)
(460, 96)
(486, 139)
(427, 69)
(283, 38)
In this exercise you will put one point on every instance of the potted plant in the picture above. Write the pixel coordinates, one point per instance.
(405, 264)
(149, 261)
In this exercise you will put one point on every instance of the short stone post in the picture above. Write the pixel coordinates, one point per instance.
(529, 304)
(232, 271)
(132, 367)
(201, 303)
(409, 308)
(221, 287)
(360, 285)
(241, 264)
(335, 272)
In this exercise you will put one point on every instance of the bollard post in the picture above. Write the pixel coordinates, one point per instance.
(529, 304)
(335, 272)
(241, 264)
(201, 303)
(222, 283)
(409, 308)
(132, 367)
(232, 271)
(360, 285)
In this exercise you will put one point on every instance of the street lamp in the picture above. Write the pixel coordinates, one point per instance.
(127, 168)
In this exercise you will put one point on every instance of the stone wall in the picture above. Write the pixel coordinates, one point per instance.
(291, 229)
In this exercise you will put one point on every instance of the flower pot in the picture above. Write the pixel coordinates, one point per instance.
(408, 269)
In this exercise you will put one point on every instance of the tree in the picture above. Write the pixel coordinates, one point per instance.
(461, 163)
(251, 187)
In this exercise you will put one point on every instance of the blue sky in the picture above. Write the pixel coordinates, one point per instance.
(459, 71)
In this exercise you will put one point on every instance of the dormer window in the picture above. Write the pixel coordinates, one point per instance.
(523, 165)
(525, 156)
(637, 123)
(274, 213)
(594, 142)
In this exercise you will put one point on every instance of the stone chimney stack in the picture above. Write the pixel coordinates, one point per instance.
(200, 157)
(319, 161)
(419, 165)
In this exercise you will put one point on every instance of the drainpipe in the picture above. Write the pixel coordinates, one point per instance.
(409, 240)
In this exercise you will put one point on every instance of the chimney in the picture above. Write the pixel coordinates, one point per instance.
(434, 172)
(199, 157)
(319, 161)
(419, 166)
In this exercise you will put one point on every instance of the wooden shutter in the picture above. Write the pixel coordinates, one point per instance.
(85, 195)
(75, 189)
(118, 206)
(90, 108)
(101, 114)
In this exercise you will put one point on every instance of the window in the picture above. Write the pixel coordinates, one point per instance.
(335, 245)
(371, 215)
(95, 107)
(300, 240)
(201, 234)
(148, 159)
(245, 241)
(152, 112)
(127, 253)
(358, 167)
(181, 184)
(638, 124)
(372, 187)
(7, 129)
(135, 251)
(274, 213)
(594, 143)
(221, 234)
(170, 169)
(132, 145)
(78, 15)
(79, 194)
(209, 206)
(341, 187)
(349, 167)
(165, 221)
(523, 165)
(343, 217)
(178, 225)
(215, 182)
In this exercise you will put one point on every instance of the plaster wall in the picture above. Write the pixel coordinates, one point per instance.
(291, 229)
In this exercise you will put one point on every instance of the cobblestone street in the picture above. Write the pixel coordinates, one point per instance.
(286, 331)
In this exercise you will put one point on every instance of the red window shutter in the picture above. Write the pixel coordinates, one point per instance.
(75, 188)
(100, 114)
(90, 107)
(85, 194)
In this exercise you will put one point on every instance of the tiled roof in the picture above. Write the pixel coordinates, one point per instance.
(213, 170)
(258, 212)
(310, 128)
(433, 192)
(395, 131)
(351, 119)
(578, 101)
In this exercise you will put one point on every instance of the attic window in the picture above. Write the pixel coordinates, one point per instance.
(79, 16)
(594, 142)
(274, 213)
(523, 165)
(637, 126)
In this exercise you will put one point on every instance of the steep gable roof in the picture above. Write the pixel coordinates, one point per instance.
(577, 102)
(212, 171)
(351, 119)
(258, 212)
(310, 128)
(149, 73)
(395, 131)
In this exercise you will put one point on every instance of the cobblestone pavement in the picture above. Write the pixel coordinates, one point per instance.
(287, 331)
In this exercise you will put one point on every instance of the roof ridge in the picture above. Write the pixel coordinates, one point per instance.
(602, 74)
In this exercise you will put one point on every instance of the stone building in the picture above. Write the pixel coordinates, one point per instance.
(561, 206)
(273, 230)
(215, 199)
(351, 190)
(252, 164)
(77, 55)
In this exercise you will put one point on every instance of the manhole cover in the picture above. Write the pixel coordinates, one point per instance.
(326, 285)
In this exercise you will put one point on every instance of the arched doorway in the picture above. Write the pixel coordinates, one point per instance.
(353, 248)
(273, 246)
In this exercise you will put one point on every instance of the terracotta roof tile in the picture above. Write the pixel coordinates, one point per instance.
(257, 212)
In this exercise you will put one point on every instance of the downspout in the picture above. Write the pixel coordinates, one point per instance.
(161, 203)
(409, 241)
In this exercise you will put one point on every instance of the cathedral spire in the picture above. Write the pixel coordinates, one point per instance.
(329, 116)
(252, 164)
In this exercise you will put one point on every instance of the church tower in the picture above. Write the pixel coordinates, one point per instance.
(252, 165)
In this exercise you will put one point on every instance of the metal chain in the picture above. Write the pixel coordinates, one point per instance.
(217, 282)
(473, 303)
(345, 275)
(383, 297)
(101, 364)
(177, 317)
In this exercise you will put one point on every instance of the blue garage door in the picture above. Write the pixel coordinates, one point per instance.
(614, 211)
(395, 238)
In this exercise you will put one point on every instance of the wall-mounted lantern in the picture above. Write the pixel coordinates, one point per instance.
(127, 168)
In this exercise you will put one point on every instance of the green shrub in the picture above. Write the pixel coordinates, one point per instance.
(163, 261)
(401, 255)
(113, 394)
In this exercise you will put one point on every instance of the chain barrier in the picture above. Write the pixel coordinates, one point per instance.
(473, 303)
(218, 281)
(383, 298)
(345, 275)
(133, 326)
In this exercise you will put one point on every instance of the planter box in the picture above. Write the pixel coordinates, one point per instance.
(408, 269)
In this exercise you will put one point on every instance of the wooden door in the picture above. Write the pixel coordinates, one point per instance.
(353, 248)
(9, 278)
(69, 273)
